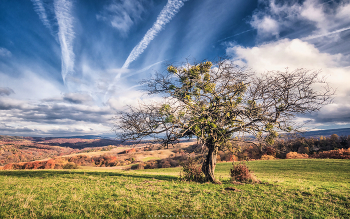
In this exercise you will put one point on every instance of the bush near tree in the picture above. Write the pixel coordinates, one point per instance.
(241, 173)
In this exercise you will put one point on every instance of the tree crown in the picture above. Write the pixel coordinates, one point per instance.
(214, 101)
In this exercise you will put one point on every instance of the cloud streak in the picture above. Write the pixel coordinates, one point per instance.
(325, 34)
(165, 16)
(65, 35)
(40, 10)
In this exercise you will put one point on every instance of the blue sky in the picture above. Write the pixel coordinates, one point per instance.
(67, 66)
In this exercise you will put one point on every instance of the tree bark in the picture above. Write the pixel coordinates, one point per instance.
(208, 167)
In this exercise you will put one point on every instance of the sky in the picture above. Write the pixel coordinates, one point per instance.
(68, 66)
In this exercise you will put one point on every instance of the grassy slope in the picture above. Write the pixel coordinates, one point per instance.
(294, 188)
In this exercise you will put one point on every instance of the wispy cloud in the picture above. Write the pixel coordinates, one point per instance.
(165, 16)
(118, 77)
(41, 11)
(65, 35)
(122, 15)
(5, 53)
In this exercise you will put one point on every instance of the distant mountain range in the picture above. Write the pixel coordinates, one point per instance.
(327, 132)
(308, 134)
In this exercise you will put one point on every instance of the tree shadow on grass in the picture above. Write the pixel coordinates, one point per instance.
(69, 173)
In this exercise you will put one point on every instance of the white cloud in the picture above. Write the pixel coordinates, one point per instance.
(313, 11)
(265, 25)
(131, 97)
(165, 16)
(344, 11)
(10, 103)
(77, 98)
(5, 53)
(50, 115)
(299, 54)
(283, 53)
(65, 35)
(287, 15)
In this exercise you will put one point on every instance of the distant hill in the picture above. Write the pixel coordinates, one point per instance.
(328, 132)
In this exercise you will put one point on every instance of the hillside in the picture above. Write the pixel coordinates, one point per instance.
(23, 149)
(328, 132)
(81, 151)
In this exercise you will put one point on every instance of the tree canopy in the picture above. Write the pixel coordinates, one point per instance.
(215, 101)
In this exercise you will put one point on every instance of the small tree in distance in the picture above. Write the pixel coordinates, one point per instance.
(214, 102)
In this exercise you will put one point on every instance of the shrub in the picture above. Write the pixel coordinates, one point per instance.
(139, 166)
(8, 166)
(151, 164)
(295, 155)
(267, 157)
(130, 151)
(191, 171)
(50, 164)
(28, 165)
(334, 154)
(18, 166)
(270, 151)
(164, 163)
(36, 164)
(58, 166)
(240, 172)
(174, 163)
(70, 165)
(13, 166)
(303, 150)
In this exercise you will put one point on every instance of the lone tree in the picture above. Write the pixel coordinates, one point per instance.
(215, 101)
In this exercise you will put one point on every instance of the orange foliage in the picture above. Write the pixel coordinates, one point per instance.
(8, 166)
(29, 165)
(36, 165)
(295, 155)
(50, 164)
(335, 154)
(267, 157)
(132, 150)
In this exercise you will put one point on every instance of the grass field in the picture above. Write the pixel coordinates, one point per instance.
(290, 189)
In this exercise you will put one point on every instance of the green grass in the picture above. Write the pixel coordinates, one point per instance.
(292, 188)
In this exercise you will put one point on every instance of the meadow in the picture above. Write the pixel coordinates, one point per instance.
(305, 188)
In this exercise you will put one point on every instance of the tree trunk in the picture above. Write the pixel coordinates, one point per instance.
(208, 167)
